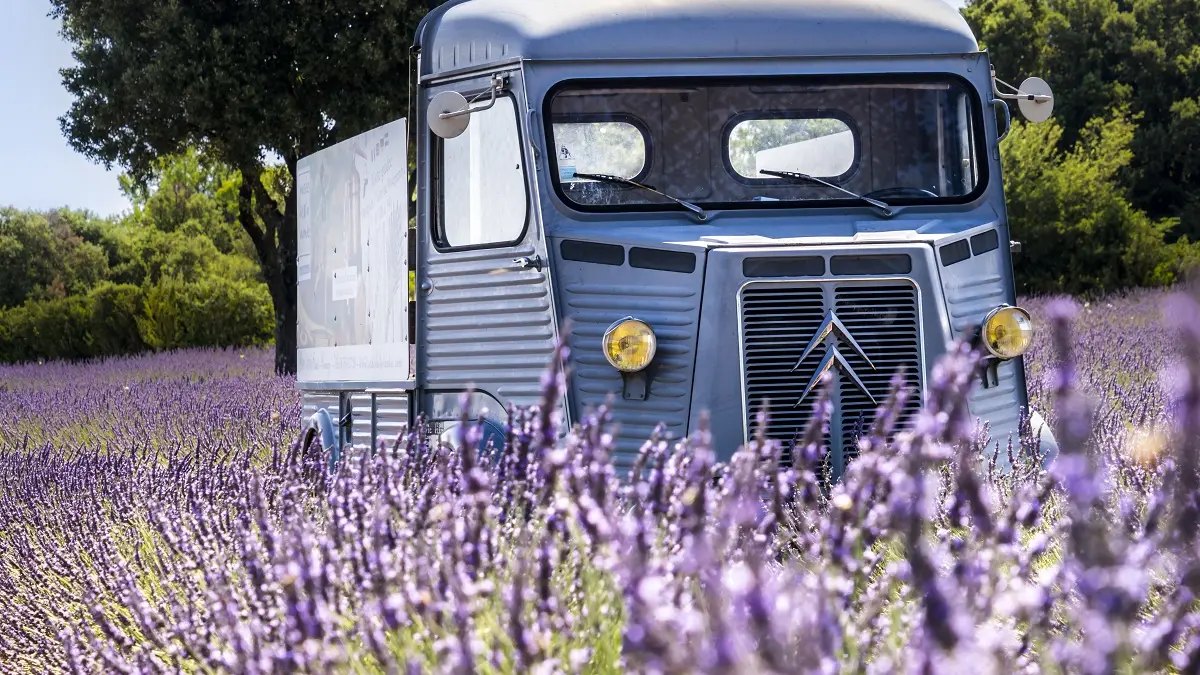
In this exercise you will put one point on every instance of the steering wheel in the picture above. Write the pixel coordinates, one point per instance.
(901, 192)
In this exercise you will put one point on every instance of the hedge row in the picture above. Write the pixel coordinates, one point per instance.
(116, 319)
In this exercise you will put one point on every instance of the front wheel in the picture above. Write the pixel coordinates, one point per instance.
(492, 433)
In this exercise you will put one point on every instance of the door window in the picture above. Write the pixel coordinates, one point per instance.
(483, 192)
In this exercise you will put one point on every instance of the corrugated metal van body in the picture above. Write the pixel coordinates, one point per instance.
(598, 285)
(749, 329)
(487, 323)
(382, 419)
(975, 286)
(735, 326)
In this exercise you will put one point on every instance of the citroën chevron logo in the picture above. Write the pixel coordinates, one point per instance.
(833, 333)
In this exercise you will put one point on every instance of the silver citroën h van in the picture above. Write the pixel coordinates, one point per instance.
(720, 200)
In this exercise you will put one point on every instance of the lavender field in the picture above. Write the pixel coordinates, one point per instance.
(163, 514)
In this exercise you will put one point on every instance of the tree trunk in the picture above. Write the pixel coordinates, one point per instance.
(275, 243)
(286, 314)
(285, 322)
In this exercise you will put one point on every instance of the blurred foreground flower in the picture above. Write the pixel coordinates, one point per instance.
(192, 533)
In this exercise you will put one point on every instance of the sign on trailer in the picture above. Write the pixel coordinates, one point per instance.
(351, 255)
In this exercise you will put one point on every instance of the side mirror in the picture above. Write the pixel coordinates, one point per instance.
(1036, 100)
(442, 118)
(450, 112)
(1034, 97)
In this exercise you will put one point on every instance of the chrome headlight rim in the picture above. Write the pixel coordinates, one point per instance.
(983, 329)
(608, 332)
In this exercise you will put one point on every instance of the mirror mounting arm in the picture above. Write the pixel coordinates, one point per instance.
(1033, 97)
(1020, 95)
(493, 93)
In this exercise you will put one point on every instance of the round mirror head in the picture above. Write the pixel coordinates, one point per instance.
(1036, 111)
(448, 102)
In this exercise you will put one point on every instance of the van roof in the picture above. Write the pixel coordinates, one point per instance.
(465, 33)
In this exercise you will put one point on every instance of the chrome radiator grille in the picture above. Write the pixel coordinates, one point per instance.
(874, 328)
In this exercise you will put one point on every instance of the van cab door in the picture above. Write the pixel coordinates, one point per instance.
(484, 301)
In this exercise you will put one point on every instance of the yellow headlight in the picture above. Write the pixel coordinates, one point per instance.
(1008, 332)
(629, 345)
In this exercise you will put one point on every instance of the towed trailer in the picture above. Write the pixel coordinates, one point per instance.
(720, 200)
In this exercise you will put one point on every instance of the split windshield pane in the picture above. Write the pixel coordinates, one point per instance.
(818, 146)
(611, 147)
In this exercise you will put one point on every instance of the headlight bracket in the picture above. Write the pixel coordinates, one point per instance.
(991, 372)
(637, 384)
(989, 368)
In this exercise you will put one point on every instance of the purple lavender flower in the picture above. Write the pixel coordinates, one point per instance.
(160, 541)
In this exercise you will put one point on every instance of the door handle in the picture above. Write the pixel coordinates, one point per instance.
(527, 262)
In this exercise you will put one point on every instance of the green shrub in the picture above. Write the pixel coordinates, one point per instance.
(115, 312)
(1079, 231)
(47, 329)
(211, 312)
(115, 319)
(101, 323)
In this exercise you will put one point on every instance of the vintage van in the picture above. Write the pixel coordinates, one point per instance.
(716, 201)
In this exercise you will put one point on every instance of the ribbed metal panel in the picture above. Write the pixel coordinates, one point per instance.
(969, 302)
(391, 413)
(488, 323)
(779, 320)
(391, 417)
(999, 405)
(312, 401)
(673, 311)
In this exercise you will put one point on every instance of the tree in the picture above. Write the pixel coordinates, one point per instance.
(1101, 55)
(1079, 232)
(184, 223)
(43, 256)
(244, 82)
(192, 194)
(27, 255)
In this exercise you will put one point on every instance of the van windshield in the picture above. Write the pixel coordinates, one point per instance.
(709, 143)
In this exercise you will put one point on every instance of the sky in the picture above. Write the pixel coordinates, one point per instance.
(38, 170)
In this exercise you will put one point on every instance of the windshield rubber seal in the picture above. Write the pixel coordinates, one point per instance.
(982, 156)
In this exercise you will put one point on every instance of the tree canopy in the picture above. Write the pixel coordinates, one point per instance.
(1079, 232)
(251, 84)
(42, 256)
(209, 106)
(1108, 55)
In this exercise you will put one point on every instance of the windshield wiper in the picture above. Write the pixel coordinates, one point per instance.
(605, 178)
(794, 175)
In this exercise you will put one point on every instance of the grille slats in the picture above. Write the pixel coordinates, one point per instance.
(884, 321)
(779, 320)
